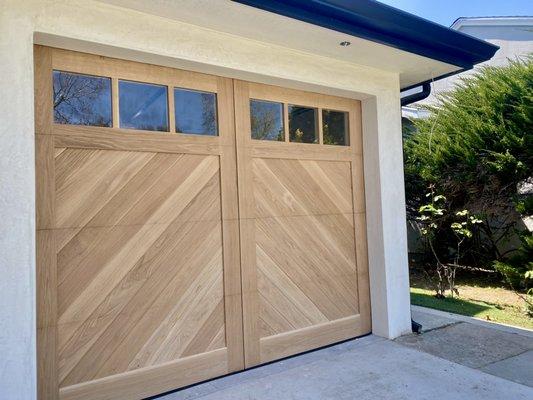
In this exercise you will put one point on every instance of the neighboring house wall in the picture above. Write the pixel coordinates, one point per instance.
(94, 27)
(514, 36)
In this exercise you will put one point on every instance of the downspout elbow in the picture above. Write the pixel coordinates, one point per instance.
(412, 98)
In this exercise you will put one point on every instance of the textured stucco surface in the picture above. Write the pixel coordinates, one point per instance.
(109, 30)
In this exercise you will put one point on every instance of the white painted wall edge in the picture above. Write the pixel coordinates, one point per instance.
(386, 218)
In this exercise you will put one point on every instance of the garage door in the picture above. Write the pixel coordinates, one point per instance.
(304, 267)
(188, 225)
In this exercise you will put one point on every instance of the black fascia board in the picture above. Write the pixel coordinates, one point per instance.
(386, 25)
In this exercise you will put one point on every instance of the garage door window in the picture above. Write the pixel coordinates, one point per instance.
(196, 112)
(335, 127)
(143, 106)
(303, 124)
(82, 99)
(266, 118)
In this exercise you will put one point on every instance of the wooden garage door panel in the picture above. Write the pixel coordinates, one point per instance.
(302, 270)
(303, 253)
(137, 243)
(306, 267)
(134, 287)
(285, 187)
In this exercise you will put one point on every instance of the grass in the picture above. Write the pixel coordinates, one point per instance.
(477, 299)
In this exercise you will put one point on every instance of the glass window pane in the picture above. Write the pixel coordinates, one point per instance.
(335, 127)
(303, 124)
(196, 112)
(266, 118)
(143, 106)
(82, 99)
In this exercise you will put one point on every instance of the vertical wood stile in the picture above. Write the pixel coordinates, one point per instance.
(358, 190)
(247, 225)
(320, 126)
(286, 121)
(171, 113)
(46, 267)
(115, 102)
(230, 226)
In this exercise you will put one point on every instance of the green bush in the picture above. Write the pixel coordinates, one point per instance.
(518, 269)
(475, 148)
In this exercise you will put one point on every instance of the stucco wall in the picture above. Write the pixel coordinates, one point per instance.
(95, 27)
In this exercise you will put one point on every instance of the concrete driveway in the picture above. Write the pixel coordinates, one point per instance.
(429, 366)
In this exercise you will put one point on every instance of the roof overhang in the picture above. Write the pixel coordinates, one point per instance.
(385, 25)
(381, 37)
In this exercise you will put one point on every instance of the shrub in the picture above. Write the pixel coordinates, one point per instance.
(434, 219)
(476, 148)
(518, 270)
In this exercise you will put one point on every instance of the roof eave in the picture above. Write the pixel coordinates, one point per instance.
(386, 25)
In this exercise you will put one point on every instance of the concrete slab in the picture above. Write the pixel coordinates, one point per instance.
(366, 368)
(431, 321)
(424, 312)
(517, 369)
(471, 345)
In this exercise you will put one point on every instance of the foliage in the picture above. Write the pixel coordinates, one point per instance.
(518, 269)
(476, 147)
(435, 220)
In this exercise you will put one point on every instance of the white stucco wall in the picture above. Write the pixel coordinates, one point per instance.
(99, 28)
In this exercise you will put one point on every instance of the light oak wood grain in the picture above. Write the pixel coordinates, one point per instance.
(312, 337)
(137, 245)
(164, 259)
(142, 383)
(303, 240)
(46, 273)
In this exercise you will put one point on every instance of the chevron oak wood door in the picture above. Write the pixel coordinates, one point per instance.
(302, 219)
(138, 262)
(176, 245)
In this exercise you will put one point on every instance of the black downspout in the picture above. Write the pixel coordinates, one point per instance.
(412, 98)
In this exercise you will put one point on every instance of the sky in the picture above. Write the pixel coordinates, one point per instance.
(444, 12)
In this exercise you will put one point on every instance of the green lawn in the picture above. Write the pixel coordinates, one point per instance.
(510, 314)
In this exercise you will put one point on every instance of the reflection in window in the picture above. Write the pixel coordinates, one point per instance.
(303, 124)
(143, 106)
(82, 99)
(266, 118)
(335, 127)
(196, 112)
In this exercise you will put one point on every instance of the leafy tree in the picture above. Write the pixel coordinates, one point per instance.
(476, 148)
(434, 220)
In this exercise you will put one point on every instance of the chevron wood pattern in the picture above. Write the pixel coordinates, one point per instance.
(303, 252)
(138, 270)
(305, 245)
(165, 259)
(139, 260)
